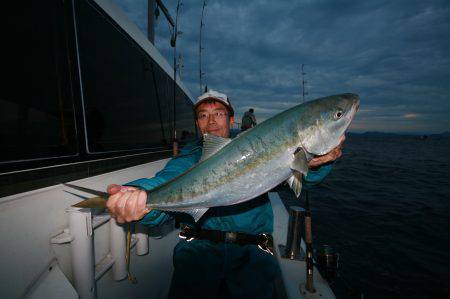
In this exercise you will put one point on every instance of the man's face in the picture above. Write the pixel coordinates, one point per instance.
(213, 118)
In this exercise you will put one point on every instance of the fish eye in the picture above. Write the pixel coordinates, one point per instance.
(338, 114)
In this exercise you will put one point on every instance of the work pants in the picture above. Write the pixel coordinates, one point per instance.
(205, 269)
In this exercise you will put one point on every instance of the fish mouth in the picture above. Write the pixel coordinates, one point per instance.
(354, 98)
(352, 112)
(356, 106)
(350, 115)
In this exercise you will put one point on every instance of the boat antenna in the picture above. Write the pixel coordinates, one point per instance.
(200, 48)
(304, 93)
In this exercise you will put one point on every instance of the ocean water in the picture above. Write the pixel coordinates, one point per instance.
(385, 208)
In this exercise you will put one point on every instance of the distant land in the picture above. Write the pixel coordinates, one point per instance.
(385, 134)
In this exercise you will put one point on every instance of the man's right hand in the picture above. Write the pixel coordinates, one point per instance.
(126, 204)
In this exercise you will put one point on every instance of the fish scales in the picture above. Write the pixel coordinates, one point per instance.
(260, 158)
(218, 171)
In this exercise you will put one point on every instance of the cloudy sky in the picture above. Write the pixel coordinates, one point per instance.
(394, 54)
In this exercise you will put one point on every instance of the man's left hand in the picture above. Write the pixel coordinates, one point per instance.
(329, 157)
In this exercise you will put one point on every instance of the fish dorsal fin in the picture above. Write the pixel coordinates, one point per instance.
(295, 182)
(212, 144)
(197, 213)
(300, 162)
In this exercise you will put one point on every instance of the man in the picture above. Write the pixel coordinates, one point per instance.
(212, 265)
(248, 120)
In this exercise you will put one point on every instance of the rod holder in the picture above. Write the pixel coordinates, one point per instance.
(292, 250)
(117, 240)
(142, 239)
(82, 252)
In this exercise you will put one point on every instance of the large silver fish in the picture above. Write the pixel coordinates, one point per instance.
(257, 160)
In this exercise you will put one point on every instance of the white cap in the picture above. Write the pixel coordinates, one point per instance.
(214, 95)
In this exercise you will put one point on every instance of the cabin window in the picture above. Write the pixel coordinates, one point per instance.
(125, 103)
(164, 88)
(186, 129)
(54, 129)
(36, 106)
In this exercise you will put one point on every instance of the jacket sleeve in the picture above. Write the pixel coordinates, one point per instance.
(316, 176)
(252, 118)
(188, 156)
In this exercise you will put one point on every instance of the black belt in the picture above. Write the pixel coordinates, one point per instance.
(263, 241)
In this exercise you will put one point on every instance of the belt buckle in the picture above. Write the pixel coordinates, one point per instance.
(230, 237)
(267, 244)
(186, 235)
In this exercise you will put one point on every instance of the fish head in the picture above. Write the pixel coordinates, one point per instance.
(327, 119)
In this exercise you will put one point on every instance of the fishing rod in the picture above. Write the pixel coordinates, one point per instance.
(200, 48)
(304, 93)
(165, 12)
(173, 43)
(309, 249)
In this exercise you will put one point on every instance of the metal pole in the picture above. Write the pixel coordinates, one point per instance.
(174, 44)
(151, 21)
(303, 84)
(165, 12)
(309, 251)
(200, 48)
(294, 237)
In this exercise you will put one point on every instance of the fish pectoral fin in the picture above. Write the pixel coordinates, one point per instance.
(212, 144)
(300, 163)
(295, 182)
(197, 213)
(299, 169)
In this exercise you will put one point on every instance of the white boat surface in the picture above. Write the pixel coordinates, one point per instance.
(41, 254)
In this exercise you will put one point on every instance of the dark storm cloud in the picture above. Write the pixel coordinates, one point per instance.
(394, 54)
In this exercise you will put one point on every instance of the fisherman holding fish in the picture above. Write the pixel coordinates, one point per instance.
(226, 252)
